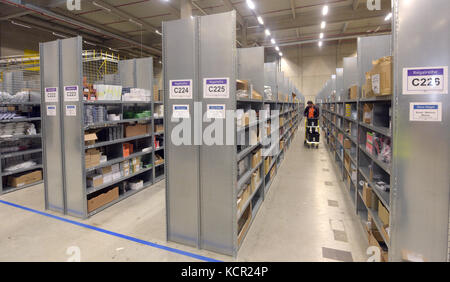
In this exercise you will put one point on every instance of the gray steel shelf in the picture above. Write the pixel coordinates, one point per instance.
(20, 104)
(250, 198)
(382, 130)
(116, 141)
(385, 98)
(7, 189)
(384, 196)
(20, 136)
(6, 173)
(381, 164)
(118, 160)
(246, 151)
(249, 100)
(158, 133)
(246, 176)
(90, 190)
(113, 102)
(20, 120)
(20, 153)
(114, 122)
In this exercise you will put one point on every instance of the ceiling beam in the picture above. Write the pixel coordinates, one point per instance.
(14, 15)
(77, 23)
(355, 5)
(230, 6)
(199, 8)
(128, 17)
(293, 9)
(344, 28)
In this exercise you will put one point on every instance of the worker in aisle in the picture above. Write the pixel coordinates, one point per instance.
(311, 111)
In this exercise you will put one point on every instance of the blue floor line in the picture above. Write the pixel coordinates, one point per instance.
(154, 245)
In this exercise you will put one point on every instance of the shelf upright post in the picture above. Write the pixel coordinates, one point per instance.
(51, 112)
(182, 158)
(421, 164)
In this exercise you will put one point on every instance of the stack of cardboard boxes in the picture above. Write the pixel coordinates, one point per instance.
(102, 199)
(113, 172)
(379, 79)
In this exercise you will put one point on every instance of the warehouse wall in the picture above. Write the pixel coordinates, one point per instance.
(309, 66)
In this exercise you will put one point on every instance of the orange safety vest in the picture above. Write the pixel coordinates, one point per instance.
(311, 112)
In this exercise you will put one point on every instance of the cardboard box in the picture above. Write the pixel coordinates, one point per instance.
(368, 113)
(366, 89)
(353, 92)
(374, 242)
(381, 76)
(368, 196)
(255, 180)
(24, 178)
(256, 95)
(256, 158)
(94, 180)
(383, 214)
(159, 160)
(347, 143)
(159, 127)
(267, 162)
(244, 223)
(90, 139)
(242, 85)
(156, 93)
(103, 199)
(347, 162)
(92, 158)
(243, 197)
(136, 130)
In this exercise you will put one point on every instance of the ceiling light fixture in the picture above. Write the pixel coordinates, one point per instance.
(112, 49)
(323, 24)
(19, 24)
(59, 35)
(281, 54)
(325, 10)
(277, 48)
(321, 35)
(320, 43)
(250, 4)
(388, 17)
(273, 41)
(89, 43)
(260, 20)
(135, 22)
(157, 31)
(267, 32)
(100, 6)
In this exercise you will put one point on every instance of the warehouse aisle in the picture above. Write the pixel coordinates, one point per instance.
(306, 217)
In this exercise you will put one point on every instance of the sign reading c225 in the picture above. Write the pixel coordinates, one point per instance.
(216, 88)
(425, 80)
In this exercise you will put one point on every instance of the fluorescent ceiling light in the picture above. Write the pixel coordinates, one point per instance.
(325, 10)
(388, 17)
(323, 24)
(281, 54)
(59, 35)
(100, 6)
(320, 43)
(135, 22)
(277, 48)
(260, 20)
(157, 31)
(273, 41)
(267, 32)
(112, 49)
(250, 4)
(19, 24)
(89, 43)
(321, 35)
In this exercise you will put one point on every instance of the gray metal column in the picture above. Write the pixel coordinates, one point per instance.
(421, 164)
(218, 163)
(73, 118)
(51, 112)
(182, 161)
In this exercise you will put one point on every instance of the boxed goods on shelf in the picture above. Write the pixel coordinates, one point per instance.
(353, 92)
(243, 197)
(267, 162)
(383, 213)
(137, 94)
(347, 143)
(348, 110)
(381, 76)
(127, 149)
(94, 180)
(92, 158)
(368, 196)
(108, 92)
(125, 167)
(272, 172)
(159, 127)
(242, 166)
(383, 251)
(368, 113)
(90, 138)
(136, 130)
(369, 142)
(156, 96)
(347, 162)
(256, 158)
(244, 223)
(103, 199)
(136, 184)
(366, 89)
(24, 178)
(159, 160)
(255, 180)
(242, 88)
(256, 95)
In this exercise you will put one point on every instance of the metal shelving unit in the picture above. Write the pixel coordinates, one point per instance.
(70, 192)
(19, 80)
(202, 205)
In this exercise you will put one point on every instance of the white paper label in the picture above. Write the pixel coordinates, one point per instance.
(425, 111)
(181, 89)
(71, 93)
(425, 80)
(215, 111)
(216, 88)
(71, 110)
(51, 111)
(51, 94)
(180, 111)
(376, 83)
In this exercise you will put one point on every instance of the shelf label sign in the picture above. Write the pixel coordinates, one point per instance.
(51, 95)
(214, 111)
(425, 80)
(51, 111)
(71, 110)
(181, 89)
(425, 111)
(180, 111)
(71, 93)
(216, 88)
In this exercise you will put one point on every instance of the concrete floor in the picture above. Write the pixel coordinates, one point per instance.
(302, 219)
